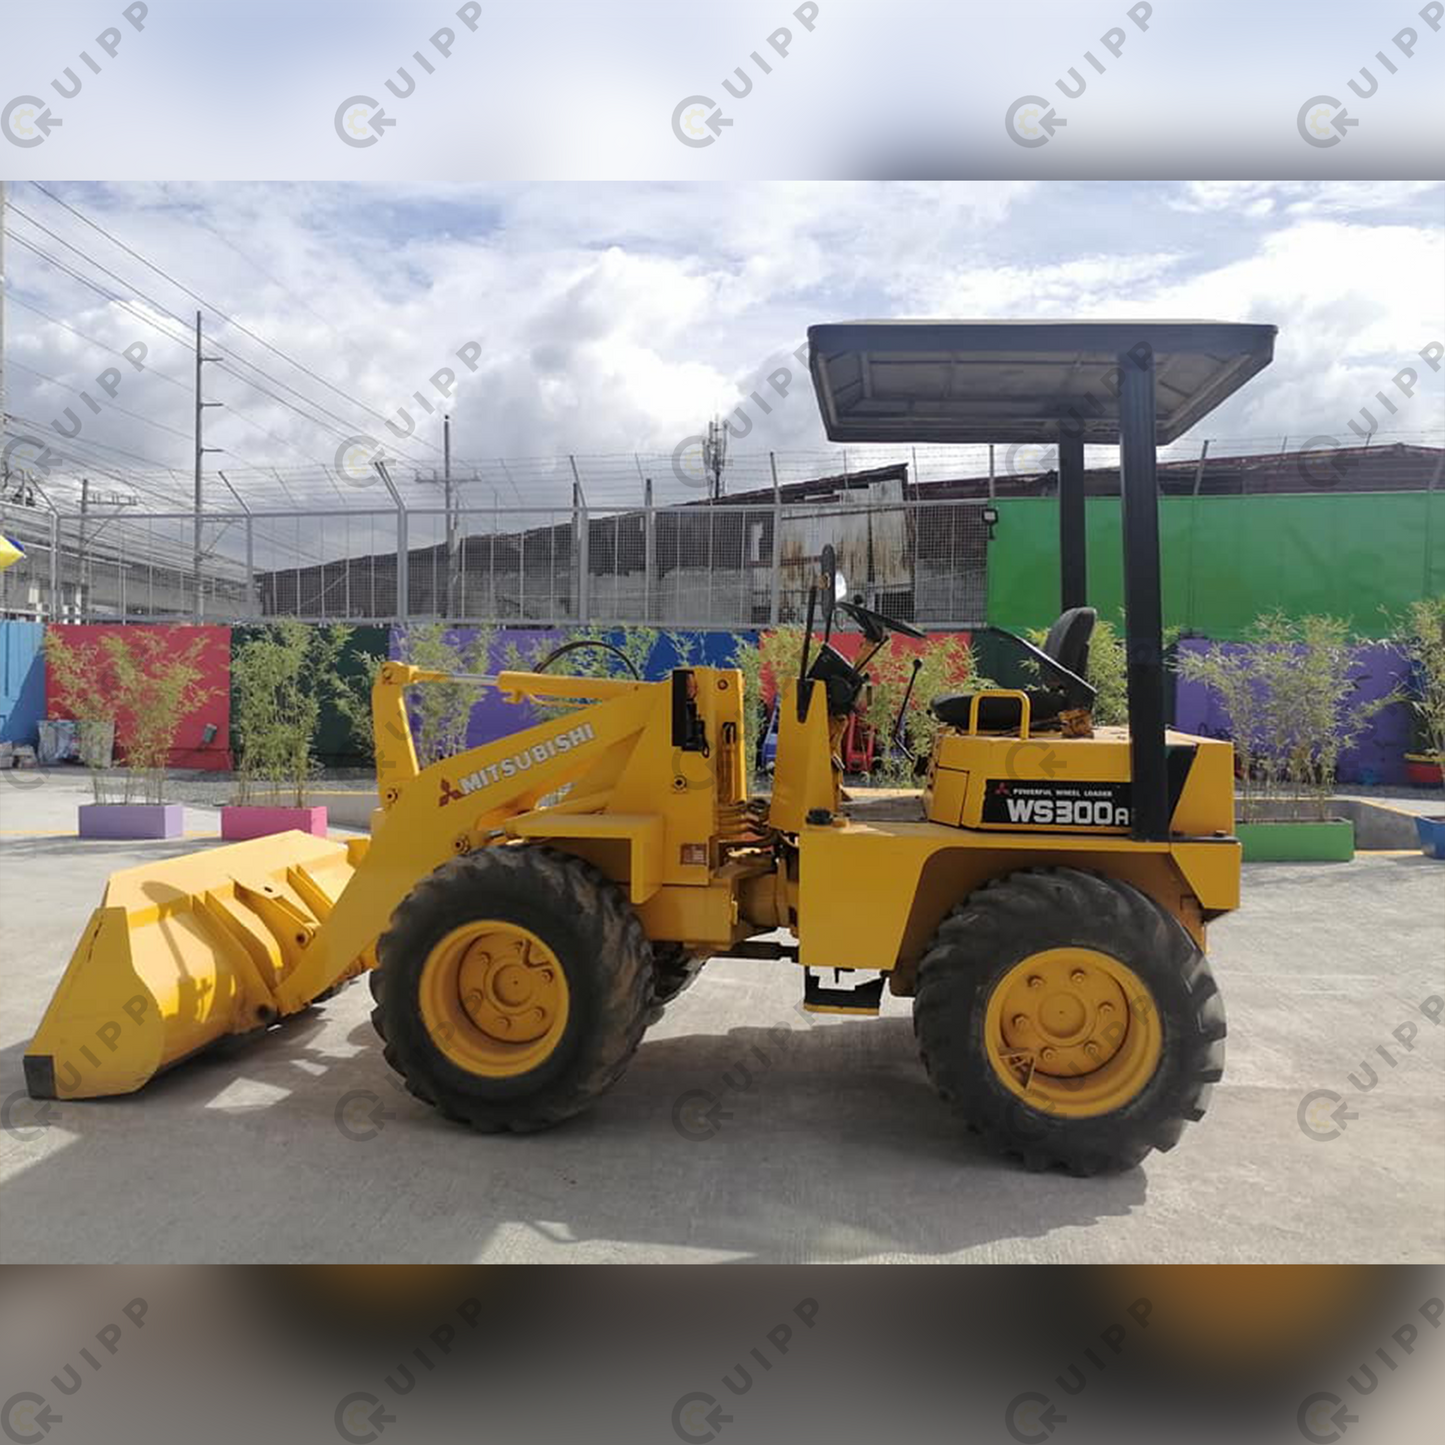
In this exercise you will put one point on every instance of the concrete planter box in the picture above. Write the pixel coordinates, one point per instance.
(1286, 841)
(131, 820)
(1432, 837)
(239, 822)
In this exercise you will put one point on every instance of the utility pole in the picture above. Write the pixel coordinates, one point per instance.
(453, 572)
(81, 596)
(200, 451)
(649, 548)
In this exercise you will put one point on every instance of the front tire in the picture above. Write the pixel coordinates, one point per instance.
(513, 988)
(1069, 1020)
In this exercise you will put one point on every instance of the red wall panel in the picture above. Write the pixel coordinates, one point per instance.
(189, 750)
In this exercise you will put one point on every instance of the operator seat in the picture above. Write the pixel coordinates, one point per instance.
(1068, 645)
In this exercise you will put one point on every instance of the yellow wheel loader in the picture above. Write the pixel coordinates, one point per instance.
(527, 908)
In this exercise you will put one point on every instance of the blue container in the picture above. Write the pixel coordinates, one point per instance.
(1432, 836)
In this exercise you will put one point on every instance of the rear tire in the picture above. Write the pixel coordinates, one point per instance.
(674, 971)
(973, 967)
(581, 922)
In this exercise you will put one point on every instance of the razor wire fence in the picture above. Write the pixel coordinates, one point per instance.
(713, 566)
(911, 528)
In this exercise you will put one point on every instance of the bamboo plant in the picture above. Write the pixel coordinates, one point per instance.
(1290, 694)
(138, 678)
(1424, 644)
(282, 682)
(441, 711)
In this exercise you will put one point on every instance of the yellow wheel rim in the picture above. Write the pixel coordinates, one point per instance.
(493, 998)
(1073, 1032)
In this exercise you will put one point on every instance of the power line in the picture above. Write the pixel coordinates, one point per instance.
(196, 218)
(72, 443)
(109, 406)
(151, 322)
(234, 410)
(94, 341)
(220, 311)
(342, 423)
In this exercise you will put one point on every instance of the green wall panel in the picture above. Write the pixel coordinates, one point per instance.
(1227, 559)
(335, 746)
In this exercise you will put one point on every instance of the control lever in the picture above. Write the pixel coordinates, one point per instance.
(896, 738)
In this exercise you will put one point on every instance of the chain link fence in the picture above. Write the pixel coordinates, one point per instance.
(914, 549)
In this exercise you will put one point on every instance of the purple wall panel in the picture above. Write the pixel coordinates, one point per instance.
(1379, 757)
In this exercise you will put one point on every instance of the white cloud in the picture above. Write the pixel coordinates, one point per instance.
(1262, 198)
(617, 319)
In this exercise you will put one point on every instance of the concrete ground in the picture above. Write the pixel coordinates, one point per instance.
(298, 1146)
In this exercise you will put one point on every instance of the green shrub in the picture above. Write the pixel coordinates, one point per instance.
(762, 663)
(1107, 672)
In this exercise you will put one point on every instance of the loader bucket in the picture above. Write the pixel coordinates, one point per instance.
(181, 953)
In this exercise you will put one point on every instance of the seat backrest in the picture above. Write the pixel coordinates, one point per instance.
(1068, 639)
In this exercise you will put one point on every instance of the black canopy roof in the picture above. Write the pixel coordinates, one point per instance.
(1020, 381)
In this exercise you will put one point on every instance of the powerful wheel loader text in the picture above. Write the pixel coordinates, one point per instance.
(527, 908)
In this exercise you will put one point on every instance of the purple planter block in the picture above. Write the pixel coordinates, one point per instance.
(239, 822)
(132, 820)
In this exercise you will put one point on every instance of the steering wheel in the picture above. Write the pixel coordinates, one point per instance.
(875, 625)
(596, 642)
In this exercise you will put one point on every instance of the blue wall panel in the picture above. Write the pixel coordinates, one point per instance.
(22, 680)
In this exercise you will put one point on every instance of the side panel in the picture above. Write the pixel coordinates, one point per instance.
(911, 874)
(693, 915)
(1051, 784)
(804, 777)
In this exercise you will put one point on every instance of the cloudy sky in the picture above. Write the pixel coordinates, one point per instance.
(614, 319)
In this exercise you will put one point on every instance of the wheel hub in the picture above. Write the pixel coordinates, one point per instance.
(1073, 1031)
(1068, 1011)
(508, 986)
(494, 998)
